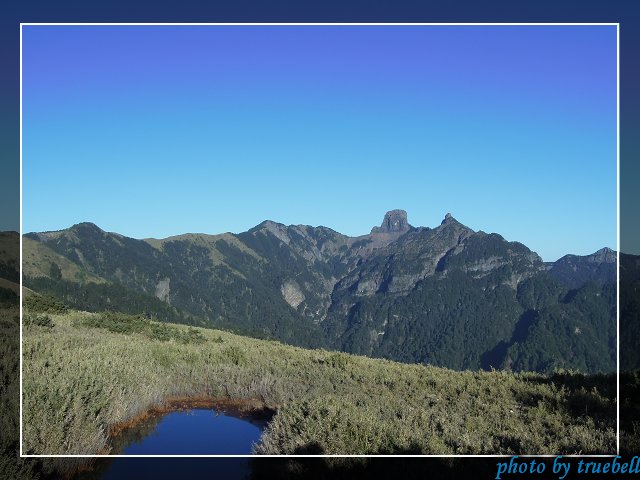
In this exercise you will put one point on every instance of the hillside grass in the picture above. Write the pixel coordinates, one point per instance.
(39, 260)
(83, 373)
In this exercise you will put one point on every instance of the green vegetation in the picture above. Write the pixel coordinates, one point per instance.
(80, 380)
(105, 271)
(453, 320)
(11, 466)
(44, 303)
(40, 320)
(446, 296)
(39, 261)
(96, 297)
(128, 324)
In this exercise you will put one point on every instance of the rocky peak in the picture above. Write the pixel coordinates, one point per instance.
(277, 229)
(394, 221)
(86, 225)
(448, 218)
(604, 255)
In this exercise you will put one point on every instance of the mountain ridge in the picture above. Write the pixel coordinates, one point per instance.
(375, 229)
(415, 294)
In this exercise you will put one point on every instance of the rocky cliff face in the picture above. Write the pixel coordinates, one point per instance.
(395, 221)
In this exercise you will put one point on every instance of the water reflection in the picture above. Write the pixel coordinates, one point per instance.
(185, 432)
(191, 432)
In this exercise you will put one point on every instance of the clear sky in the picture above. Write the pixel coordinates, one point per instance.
(154, 131)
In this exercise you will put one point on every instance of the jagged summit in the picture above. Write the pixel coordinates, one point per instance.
(394, 221)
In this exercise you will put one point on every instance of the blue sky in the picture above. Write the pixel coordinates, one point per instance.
(154, 131)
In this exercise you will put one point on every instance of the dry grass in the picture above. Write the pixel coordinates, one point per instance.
(79, 381)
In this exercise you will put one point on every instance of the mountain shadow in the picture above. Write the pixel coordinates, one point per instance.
(496, 357)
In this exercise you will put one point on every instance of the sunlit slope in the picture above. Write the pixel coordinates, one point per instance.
(85, 372)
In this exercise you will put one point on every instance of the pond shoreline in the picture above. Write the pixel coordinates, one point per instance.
(242, 408)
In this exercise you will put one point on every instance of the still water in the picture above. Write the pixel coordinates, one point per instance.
(192, 432)
(186, 432)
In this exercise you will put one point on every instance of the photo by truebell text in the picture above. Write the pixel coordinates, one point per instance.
(561, 466)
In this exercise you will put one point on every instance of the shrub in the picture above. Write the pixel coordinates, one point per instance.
(235, 355)
(40, 320)
(338, 360)
(130, 324)
(44, 303)
(192, 336)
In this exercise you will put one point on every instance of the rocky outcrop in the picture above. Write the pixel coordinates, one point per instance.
(291, 293)
(163, 289)
(394, 221)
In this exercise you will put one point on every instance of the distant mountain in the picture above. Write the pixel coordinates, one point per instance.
(575, 270)
(448, 295)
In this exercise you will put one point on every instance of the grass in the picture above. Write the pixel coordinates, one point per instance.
(88, 372)
(128, 324)
(11, 465)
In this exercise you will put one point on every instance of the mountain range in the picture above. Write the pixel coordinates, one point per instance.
(447, 296)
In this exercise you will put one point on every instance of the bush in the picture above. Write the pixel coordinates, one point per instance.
(191, 336)
(235, 355)
(44, 303)
(130, 324)
(160, 332)
(338, 360)
(40, 320)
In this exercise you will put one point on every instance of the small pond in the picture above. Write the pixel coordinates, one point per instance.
(197, 431)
